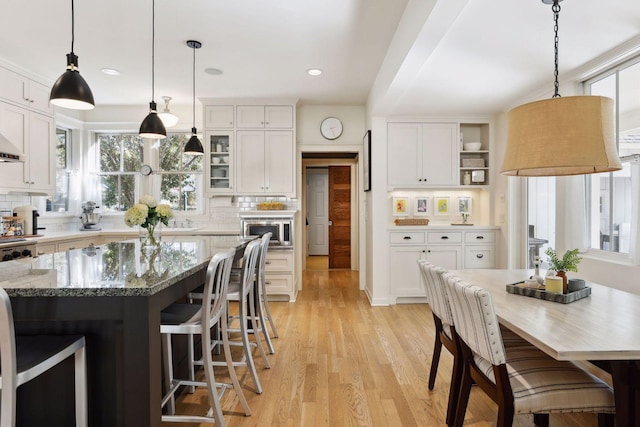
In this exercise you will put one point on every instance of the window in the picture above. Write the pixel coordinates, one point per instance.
(611, 197)
(59, 202)
(177, 178)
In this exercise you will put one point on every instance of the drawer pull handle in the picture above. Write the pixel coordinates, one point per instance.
(268, 282)
(407, 237)
(479, 256)
(479, 237)
(444, 237)
(267, 262)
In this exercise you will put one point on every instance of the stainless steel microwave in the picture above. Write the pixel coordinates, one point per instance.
(281, 229)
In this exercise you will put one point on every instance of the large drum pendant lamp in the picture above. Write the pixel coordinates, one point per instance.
(561, 136)
(194, 146)
(71, 90)
(152, 126)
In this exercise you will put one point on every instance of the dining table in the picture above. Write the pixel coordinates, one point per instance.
(602, 328)
(112, 294)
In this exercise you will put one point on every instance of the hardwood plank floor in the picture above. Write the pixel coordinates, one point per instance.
(341, 362)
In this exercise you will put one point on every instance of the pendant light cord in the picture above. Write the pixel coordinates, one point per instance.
(73, 26)
(556, 15)
(194, 87)
(153, 48)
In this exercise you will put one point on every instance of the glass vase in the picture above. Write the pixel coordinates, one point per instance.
(151, 236)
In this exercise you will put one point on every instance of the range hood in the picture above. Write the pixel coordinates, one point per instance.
(8, 151)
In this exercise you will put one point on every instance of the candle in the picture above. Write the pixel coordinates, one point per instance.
(553, 284)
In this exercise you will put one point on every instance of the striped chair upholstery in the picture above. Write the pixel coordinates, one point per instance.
(520, 379)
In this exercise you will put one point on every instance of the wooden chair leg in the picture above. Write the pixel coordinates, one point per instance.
(454, 389)
(541, 420)
(463, 396)
(606, 420)
(437, 349)
(505, 415)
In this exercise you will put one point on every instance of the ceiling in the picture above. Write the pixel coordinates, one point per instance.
(410, 56)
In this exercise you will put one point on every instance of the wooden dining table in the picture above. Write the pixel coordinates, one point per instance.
(603, 328)
(113, 295)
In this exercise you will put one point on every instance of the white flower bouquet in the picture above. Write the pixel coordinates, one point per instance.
(147, 213)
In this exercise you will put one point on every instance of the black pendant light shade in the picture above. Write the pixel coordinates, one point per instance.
(152, 126)
(194, 146)
(71, 90)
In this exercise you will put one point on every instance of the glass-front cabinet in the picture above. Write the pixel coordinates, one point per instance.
(219, 151)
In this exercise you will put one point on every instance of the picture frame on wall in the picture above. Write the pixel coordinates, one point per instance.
(400, 206)
(421, 206)
(366, 161)
(441, 206)
(464, 205)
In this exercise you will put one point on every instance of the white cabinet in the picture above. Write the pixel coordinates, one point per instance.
(279, 274)
(475, 163)
(219, 162)
(23, 91)
(33, 135)
(264, 116)
(448, 248)
(218, 117)
(265, 163)
(422, 155)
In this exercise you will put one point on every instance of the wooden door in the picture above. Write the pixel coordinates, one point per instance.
(339, 217)
(318, 211)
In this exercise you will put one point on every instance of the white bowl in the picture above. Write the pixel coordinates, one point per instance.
(472, 146)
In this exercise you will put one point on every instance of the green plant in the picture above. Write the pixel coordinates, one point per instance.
(568, 262)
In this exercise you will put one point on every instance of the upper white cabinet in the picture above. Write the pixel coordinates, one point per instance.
(219, 161)
(32, 134)
(218, 117)
(265, 163)
(23, 91)
(264, 116)
(475, 162)
(423, 155)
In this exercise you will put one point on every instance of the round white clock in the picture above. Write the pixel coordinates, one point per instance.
(145, 170)
(331, 128)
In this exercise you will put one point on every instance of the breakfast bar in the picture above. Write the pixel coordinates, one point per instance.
(113, 294)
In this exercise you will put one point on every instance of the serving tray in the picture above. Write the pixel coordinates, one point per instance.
(519, 289)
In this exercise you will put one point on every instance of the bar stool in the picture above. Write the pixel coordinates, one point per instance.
(191, 319)
(263, 302)
(26, 357)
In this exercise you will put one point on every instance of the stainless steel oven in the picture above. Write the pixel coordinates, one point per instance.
(281, 229)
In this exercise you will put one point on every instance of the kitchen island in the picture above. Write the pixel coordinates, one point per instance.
(113, 294)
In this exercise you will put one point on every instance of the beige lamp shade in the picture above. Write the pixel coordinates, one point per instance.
(561, 136)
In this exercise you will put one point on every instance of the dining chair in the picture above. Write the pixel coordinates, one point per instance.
(24, 358)
(192, 319)
(521, 380)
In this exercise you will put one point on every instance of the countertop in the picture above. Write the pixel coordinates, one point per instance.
(113, 269)
(442, 227)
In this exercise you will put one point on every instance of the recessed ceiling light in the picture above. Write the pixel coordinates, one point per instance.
(314, 71)
(213, 71)
(110, 71)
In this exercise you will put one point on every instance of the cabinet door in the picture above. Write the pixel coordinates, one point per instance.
(39, 97)
(405, 279)
(447, 257)
(479, 256)
(14, 125)
(219, 161)
(250, 162)
(250, 116)
(279, 158)
(218, 117)
(404, 154)
(14, 87)
(439, 154)
(278, 117)
(41, 160)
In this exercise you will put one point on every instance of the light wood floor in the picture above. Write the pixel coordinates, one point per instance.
(340, 362)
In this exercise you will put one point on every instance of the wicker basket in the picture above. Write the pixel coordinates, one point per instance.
(270, 206)
(412, 221)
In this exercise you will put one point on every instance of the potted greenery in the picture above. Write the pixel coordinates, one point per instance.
(568, 262)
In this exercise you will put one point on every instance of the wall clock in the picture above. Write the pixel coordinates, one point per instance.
(145, 170)
(331, 128)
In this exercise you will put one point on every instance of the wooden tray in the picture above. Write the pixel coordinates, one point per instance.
(518, 289)
(412, 221)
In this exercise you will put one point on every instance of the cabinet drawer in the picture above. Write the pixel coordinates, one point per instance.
(444, 237)
(279, 283)
(71, 244)
(407, 238)
(479, 236)
(479, 256)
(279, 261)
(42, 249)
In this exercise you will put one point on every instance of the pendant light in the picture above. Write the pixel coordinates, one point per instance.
(194, 146)
(152, 126)
(169, 119)
(561, 136)
(71, 90)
